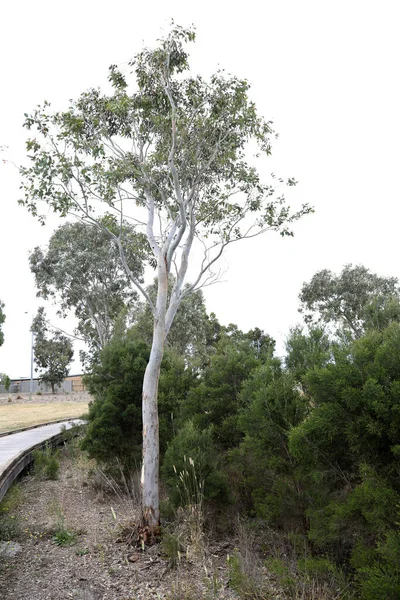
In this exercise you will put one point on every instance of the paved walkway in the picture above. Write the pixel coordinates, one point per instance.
(17, 444)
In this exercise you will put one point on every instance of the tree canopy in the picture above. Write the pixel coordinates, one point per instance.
(350, 301)
(175, 146)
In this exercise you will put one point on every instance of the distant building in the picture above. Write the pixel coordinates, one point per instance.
(77, 383)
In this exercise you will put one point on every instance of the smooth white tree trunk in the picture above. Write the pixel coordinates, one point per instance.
(150, 465)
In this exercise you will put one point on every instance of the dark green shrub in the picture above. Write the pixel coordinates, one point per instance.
(261, 468)
(176, 381)
(310, 577)
(347, 448)
(381, 579)
(243, 583)
(191, 467)
(114, 429)
(171, 547)
(216, 401)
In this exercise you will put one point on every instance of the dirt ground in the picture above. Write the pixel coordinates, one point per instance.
(101, 565)
(44, 398)
(23, 410)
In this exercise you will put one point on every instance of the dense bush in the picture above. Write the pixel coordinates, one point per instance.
(191, 466)
(115, 416)
(217, 401)
(348, 448)
(306, 350)
(176, 381)
(381, 579)
(262, 463)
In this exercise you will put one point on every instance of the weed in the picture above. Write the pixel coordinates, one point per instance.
(76, 430)
(126, 488)
(72, 438)
(62, 536)
(213, 584)
(172, 548)
(9, 524)
(313, 578)
(46, 465)
(246, 574)
(183, 590)
(9, 527)
(188, 524)
(12, 499)
(82, 552)
(244, 583)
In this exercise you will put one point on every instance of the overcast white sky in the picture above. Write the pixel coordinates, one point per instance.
(325, 72)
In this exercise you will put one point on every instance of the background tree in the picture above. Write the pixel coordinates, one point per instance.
(350, 301)
(263, 343)
(5, 380)
(81, 271)
(52, 354)
(306, 349)
(2, 319)
(175, 149)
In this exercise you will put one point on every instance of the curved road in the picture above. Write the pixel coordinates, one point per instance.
(16, 448)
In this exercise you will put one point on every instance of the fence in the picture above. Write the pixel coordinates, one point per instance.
(23, 387)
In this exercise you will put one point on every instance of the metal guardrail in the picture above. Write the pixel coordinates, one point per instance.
(24, 458)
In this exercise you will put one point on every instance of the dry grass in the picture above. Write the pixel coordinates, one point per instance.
(16, 416)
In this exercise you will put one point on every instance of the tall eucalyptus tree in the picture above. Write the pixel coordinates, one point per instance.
(167, 151)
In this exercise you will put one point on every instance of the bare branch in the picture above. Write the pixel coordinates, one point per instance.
(75, 337)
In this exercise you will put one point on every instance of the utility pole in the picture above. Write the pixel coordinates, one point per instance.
(32, 340)
(31, 382)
